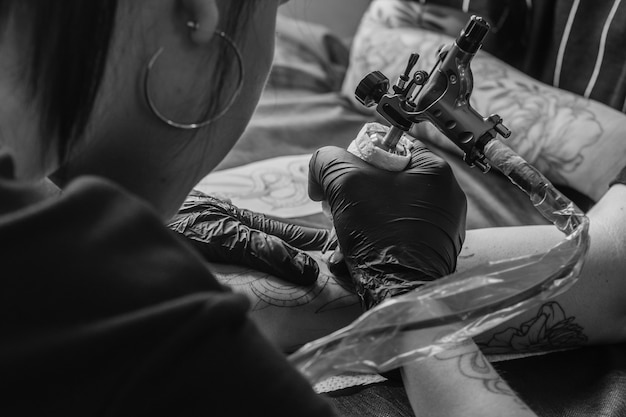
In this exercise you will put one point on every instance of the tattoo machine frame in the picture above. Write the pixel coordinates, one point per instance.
(461, 305)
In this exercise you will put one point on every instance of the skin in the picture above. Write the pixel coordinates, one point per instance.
(596, 297)
(478, 388)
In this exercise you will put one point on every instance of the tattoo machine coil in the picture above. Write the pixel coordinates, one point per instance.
(461, 305)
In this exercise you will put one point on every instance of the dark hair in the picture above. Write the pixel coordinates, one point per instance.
(236, 16)
(69, 41)
(69, 45)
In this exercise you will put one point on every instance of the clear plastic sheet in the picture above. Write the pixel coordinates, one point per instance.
(461, 305)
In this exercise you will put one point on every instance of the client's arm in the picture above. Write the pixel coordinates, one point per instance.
(460, 382)
(291, 315)
(573, 140)
(592, 311)
(457, 382)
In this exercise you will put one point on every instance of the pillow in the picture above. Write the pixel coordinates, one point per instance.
(390, 30)
(307, 57)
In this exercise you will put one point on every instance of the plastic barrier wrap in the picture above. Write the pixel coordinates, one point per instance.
(461, 305)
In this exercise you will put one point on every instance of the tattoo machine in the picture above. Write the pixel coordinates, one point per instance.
(441, 97)
(461, 305)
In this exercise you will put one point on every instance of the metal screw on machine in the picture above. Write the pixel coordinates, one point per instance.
(440, 96)
(375, 86)
(372, 88)
(420, 77)
(472, 35)
(401, 85)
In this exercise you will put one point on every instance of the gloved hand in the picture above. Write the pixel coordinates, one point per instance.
(227, 234)
(396, 230)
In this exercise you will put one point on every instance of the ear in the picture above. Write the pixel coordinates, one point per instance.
(202, 19)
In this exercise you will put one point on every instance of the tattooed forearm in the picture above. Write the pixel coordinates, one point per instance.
(327, 294)
(291, 315)
(559, 132)
(550, 329)
(270, 292)
(472, 364)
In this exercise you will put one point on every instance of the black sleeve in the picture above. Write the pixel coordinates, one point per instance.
(105, 312)
(212, 361)
(198, 355)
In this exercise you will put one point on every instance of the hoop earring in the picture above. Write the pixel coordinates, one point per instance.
(191, 126)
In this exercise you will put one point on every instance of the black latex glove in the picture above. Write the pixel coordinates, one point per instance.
(226, 234)
(396, 230)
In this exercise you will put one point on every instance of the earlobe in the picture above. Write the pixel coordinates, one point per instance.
(201, 17)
